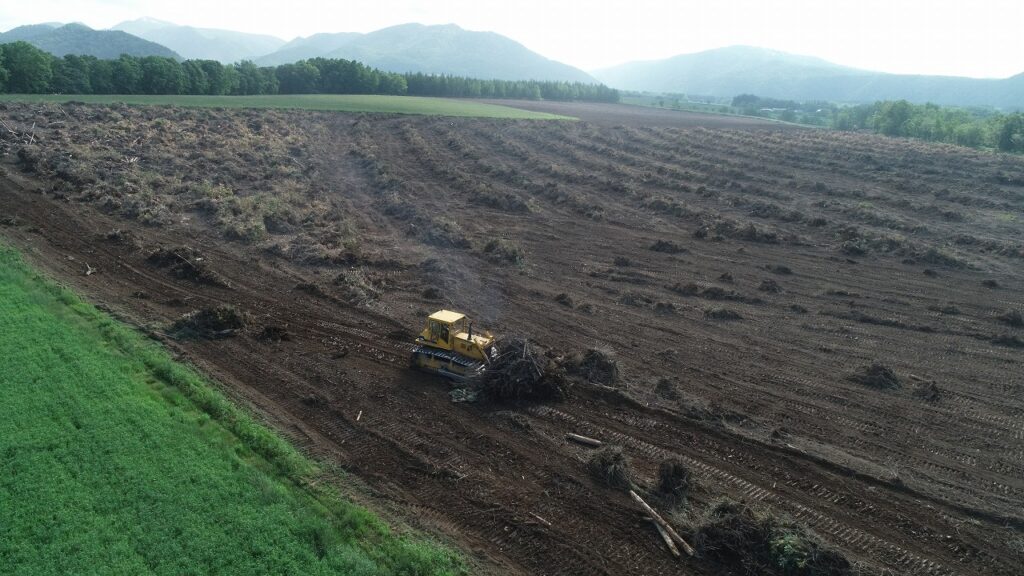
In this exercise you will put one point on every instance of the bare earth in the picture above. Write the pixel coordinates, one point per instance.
(834, 250)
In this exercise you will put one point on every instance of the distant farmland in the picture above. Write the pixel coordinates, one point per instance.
(332, 102)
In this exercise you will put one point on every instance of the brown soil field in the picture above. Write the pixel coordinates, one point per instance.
(743, 279)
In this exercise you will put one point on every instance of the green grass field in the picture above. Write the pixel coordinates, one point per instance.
(331, 102)
(114, 459)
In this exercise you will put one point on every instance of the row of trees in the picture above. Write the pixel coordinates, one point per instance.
(974, 127)
(26, 69)
(460, 87)
(977, 128)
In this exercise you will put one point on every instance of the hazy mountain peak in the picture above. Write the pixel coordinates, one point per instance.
(733, 70)
(431, 49)
(77, 38)
(202, 43)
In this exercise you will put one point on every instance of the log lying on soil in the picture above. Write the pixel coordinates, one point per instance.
(583, 440)
(668, 539)
(664, 525)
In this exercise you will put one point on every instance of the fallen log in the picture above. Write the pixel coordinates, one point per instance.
(542, 521)
(668, 539)
(584, 440)
(664, 525)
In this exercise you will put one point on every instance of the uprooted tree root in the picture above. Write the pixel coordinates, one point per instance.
(735, 535)
(188, 264)
(876, 376)
(274, 334)
(927, 391)
(520, 373)
(596, 366)
(674, 479)
(609, 466)
(219, 322)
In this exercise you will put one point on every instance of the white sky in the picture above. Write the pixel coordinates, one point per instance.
(979, 38)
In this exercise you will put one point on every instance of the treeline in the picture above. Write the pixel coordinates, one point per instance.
(811, 112)
(977, 128)
(974, 127)
(750, 103)
(26, 69)
(460, 87)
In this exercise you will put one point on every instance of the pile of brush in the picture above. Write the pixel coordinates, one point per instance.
(520, 372)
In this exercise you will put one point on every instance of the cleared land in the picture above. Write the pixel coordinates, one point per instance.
(330, 102)
(746, 280)
(615, 115)
(115, 459)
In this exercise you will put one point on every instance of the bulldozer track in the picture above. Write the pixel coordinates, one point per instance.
(840, 534)
(764, 410)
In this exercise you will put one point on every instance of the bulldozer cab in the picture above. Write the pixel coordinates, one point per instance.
(449, 330)
(442, 325)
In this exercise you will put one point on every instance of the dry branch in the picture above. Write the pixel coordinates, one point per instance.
(583, 440)
(541, 520)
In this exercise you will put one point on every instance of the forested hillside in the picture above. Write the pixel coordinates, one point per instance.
(26, 69)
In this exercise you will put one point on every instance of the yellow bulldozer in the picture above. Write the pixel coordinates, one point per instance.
(448, 346)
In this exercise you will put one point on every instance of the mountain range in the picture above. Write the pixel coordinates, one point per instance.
(727, 72)
(61, 39)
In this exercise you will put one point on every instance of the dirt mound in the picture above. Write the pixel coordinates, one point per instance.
(668, 247)
(666, 388)
(219, 322)
(187, 264)
(876, 376)
(122, 237)
(521, 373)
(500, 250)
(734, 535)
(1012, 318)
(609, 466)
(595, 366)
(722, 314)
(1010, 340)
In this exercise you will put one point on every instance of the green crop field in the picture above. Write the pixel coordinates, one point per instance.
(331, 102)
(114, 459)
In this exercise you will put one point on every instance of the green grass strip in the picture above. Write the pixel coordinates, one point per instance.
(115, 459)
(331, 102)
